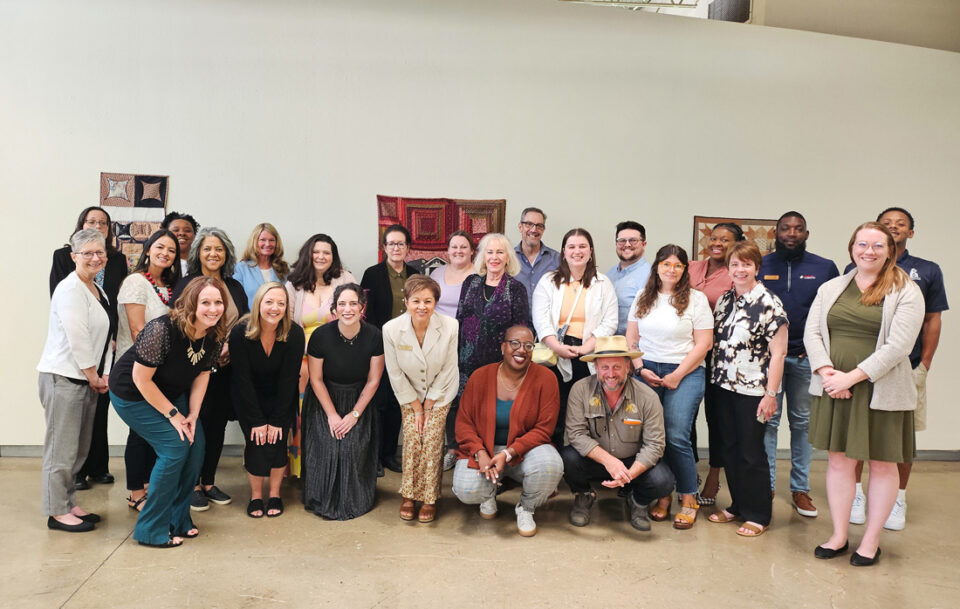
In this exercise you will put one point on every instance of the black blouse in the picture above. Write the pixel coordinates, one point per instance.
(177, 359)
(265, 387)
(345, 362)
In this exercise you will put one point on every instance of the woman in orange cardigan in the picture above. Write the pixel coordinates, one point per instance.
(508, 410)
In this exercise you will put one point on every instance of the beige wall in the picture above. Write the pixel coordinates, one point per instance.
(926, 23)
(301, 112)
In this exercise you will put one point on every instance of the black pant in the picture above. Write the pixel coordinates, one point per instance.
(217, 409)
(580, 371)
(579, 472)
(388, 411)
(138, 458)
(744, 455)
(97, 463)
(451, 424)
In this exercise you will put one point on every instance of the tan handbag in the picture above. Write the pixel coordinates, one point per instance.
(543, 354)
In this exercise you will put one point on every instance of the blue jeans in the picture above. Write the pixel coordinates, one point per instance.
(796, 386)
(174, 474)
(680, 408)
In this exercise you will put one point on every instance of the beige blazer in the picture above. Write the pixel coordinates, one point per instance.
(422, 373)
(889, 366)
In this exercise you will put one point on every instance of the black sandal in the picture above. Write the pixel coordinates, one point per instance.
(168, 544)
(274, 503)
(134, 504)
(255, 505)
(188, 534)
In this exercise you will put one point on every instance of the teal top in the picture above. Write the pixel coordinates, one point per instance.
(503, 422)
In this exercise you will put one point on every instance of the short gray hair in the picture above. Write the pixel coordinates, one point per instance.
(85, 236)
(193, 260)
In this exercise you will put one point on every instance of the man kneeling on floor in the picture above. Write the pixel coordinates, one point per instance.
(507, 412)
(615, 429)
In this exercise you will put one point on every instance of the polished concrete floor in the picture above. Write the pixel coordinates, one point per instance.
(299, 560)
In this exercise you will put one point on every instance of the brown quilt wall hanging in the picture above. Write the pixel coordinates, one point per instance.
(137, 205)
(432, 221)
(762, 232)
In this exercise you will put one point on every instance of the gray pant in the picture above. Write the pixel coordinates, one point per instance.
(540, 472)
(68, 410)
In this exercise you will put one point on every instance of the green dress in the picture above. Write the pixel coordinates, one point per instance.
(850, 426)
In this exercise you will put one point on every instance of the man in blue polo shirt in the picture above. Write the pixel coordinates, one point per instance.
(629, 276)
(794, 275)
(536, 259)
(929, 278)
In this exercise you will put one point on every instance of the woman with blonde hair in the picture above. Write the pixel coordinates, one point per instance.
(266, 349)
(262, 260)
(859, 334)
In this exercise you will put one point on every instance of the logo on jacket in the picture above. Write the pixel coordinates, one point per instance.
(808, 276)
(914, 274)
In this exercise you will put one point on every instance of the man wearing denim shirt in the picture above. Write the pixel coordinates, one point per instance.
(536, 259)
(794, 275)
(629, 276)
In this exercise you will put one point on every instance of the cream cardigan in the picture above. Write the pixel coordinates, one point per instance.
(888, 368)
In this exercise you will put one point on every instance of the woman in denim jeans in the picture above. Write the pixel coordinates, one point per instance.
(673, 326)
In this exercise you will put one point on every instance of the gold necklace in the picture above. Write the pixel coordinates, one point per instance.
(196, 356)
(505, 385)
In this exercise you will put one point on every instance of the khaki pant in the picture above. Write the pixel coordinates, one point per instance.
(920, 414)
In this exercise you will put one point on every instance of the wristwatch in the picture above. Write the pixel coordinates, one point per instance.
(356, 415)
(507, 453)
(173, 412)
(772, 394)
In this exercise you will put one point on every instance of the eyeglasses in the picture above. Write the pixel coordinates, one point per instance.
(631, 241)
(536, 225)
(395, 245)
(877, 247)
(671, 266)
(96, 223)
(516, 344)
(90, 255)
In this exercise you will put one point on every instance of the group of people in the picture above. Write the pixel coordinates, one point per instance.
(509, 362)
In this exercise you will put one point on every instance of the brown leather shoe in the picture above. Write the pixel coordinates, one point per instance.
(804, 504)
(408, 509)
(428, 512)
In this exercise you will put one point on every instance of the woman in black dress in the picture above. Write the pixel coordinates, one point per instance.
(266, 349)
(212, 255)
(345, 358)
(109, 278)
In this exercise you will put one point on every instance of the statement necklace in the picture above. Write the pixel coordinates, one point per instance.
(348, 341)
(164, 295)
(504, 383)
(196, 356)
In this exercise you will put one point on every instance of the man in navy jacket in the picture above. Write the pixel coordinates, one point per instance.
(795, 275)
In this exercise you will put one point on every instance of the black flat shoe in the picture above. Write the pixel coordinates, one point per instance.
(168, 544)
(827, 553)
(256, 505)
(80, 483)
(394, 465)
(379, 470)
(862, 561)
(106, 478)
(81, 527)
(274, 503)
(91, 518)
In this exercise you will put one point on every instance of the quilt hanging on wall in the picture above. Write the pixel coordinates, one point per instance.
(760, 231)
(432, 221)
(137, 205)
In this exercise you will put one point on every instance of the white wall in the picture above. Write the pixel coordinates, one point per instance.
(300, 112)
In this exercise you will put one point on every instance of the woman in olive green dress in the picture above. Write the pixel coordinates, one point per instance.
(859, 334)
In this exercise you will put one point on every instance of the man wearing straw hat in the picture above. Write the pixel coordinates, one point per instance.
(615, 428)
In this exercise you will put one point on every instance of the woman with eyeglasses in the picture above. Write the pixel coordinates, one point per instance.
(572, 306)
(74, 369)
(109, 278)
(420, 352)
(672, 325)
(711, 277)
(859, 334)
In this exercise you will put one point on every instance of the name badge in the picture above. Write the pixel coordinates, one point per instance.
(404, 348)
(771, 277)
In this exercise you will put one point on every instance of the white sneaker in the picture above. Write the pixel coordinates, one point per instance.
(525, 524)
(858, 513)
(898, 516)
(488, 509)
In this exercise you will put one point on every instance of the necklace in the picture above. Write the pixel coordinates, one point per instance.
(348, 341)
(196, 356)
(504, 383)
(164, 296)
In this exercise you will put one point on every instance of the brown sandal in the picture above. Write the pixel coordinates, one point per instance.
(427, 512)
(408, 509)
(661, 512)
(723, 516)
(686, 517)
(755, 530)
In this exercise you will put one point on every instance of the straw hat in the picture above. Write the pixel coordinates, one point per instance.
(611, 346)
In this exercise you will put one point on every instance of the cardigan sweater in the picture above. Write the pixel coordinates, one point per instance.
(888, 368)
(533, 416)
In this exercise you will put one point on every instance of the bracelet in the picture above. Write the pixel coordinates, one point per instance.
(507, 453)
(418, 413)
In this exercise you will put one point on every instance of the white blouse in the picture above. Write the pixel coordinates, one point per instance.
(135, 289)
(665, 336)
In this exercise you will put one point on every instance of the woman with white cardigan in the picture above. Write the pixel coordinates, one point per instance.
(572, 306)
(859, 334)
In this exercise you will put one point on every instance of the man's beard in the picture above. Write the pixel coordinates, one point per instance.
(790, 253)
